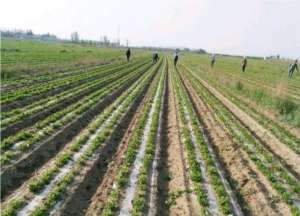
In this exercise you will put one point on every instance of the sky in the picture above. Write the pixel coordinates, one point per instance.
(243, 27)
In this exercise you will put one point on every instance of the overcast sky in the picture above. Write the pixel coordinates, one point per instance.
(247, 27)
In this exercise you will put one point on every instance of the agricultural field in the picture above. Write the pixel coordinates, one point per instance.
(24, 58)
(92, 134)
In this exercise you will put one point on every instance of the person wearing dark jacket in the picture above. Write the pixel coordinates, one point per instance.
(128, 53)
(292, 68)
(155, 57)
(244, 64)
(213, 60)
(175, 59)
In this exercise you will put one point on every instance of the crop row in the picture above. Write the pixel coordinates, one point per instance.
(280, 178)
(72, 94)
(27, 92)
(38, 97)
(279, 132)
(13, 175)
(50, 89)
(83, 149)
(28, 138)
(138, 138)
(201, 162)
(143, 180)
(40, 79)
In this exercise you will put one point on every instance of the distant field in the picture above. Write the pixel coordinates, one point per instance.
(83, 132)
(23, 57)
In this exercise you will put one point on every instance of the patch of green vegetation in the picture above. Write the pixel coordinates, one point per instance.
(259, 95)
(286, 107)
(12, 208)
(21, 58)
(174, 195)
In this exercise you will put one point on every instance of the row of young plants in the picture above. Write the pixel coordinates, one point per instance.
(111, 124)
(23, 93)
(39, 80)
(16, 145)
(6, 113)
(122, 178)
(48, 102)
(282, 181)
(194, 171)
(139, 201)
(278, 131)
(78, 153)
(271, 156)
(191, 133)
(54, 74)
(17, 107)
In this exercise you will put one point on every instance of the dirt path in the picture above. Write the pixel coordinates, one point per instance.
(249, 182)
(288, 157)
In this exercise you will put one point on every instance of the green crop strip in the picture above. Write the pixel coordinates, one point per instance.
(56, 193)
(75, 147)
(139, 201)
(37, 89)
(48, 79)
(26, 92)
(21, 113)
(40, 181)
(33, 139)
(129, 158)
(221, 194)
(55, 119)
(278, 131)
(194, 171)
(286, 186)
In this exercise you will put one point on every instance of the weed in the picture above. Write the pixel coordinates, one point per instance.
(173, 196)
(286, 107)
(258, 95)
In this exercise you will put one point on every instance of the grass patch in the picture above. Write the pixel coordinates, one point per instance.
(258, 95)
(287, 108)
(174, 195)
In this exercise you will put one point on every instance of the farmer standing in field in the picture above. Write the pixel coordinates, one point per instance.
(292, 68)
(244, 64)
(155, 57)
(175, 58)
(213, 59)
(128, 53)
